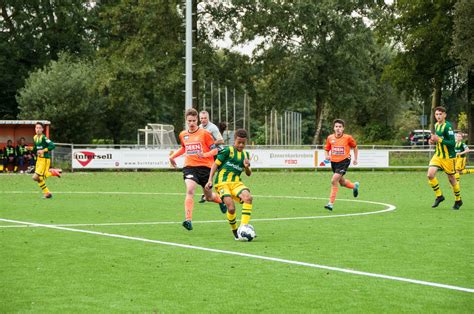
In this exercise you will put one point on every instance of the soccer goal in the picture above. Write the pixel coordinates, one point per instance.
(157, 135)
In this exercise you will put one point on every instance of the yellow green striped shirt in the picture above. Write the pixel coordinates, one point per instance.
(231, 165)
(445, 148)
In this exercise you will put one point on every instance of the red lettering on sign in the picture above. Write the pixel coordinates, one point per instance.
(88, 156)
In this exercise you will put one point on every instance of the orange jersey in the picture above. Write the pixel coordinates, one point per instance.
(200, 141)
(340, 147)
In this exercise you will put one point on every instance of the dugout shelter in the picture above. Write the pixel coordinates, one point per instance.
(16, 129)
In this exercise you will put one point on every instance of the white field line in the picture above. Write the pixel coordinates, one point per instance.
(388, 209)
(267, 258)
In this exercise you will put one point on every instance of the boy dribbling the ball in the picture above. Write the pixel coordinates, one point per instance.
(230, 163)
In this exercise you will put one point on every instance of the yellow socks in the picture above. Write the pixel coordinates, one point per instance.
(457, 192)
(246, 213)
(42, 185)
(457, 176)
(232, 220)
(435, 186)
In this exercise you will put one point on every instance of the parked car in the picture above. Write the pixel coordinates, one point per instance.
(419, 137)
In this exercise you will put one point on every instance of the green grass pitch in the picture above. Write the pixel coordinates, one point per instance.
(51, 270)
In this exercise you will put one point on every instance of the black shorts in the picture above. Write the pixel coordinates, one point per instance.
(341, 166)
(198, 174)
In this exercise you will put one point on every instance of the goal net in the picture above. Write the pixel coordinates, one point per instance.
(157, 135)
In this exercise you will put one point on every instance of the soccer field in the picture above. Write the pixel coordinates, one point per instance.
(113, 242)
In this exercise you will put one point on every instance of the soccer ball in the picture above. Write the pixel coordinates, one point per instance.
(246, 233)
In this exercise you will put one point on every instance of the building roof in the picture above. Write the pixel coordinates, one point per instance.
(24, 122)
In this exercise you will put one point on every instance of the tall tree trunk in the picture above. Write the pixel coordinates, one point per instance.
(435, 100)
(318, 120)
(115, 131)
(470, 106)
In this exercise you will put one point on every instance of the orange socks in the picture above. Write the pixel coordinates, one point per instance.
(188, 207)
(334, 190)
(216, 198)
(349, 184)
(332, 198)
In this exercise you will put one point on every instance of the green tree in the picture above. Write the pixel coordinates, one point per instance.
(314, 53)
(463, 49)
(140, 65)
(123, 99)
(34, 32)
(422, 32)
(63, 92)
(463, 123)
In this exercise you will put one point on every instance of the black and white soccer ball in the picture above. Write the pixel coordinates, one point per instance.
(246, 233)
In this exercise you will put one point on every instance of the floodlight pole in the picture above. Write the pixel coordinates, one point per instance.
(189, 55)
(234, 110)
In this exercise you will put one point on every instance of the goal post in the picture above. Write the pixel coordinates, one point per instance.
(157, 135)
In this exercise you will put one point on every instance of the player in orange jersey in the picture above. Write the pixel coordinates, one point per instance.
(198, 146)
(338, 151)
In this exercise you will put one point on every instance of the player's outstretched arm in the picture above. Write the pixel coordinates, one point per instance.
(211, 175)
(210, 153)
(327, 149)
(465, 151)
(209, 142)
(326, 156)
(50, 144)
(248, 170)
(448, 138)
(175, 155)
(356, 155)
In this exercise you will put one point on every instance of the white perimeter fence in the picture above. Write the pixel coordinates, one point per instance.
(88, 157)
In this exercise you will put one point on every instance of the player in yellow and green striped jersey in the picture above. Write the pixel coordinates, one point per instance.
(42, 148)
(461, 150)
(444, 158)
(230, 163)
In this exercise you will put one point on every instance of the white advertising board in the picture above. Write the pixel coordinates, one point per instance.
(122, 159)
(367, 159)
(158, 159)
(267, 158)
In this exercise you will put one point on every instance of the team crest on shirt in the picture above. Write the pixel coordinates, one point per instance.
(186, 137)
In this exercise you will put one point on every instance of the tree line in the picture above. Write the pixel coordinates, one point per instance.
(101, 70)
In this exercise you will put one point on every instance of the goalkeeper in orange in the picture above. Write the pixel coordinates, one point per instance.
(337, 150)
(230, 163)
(42, 149)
